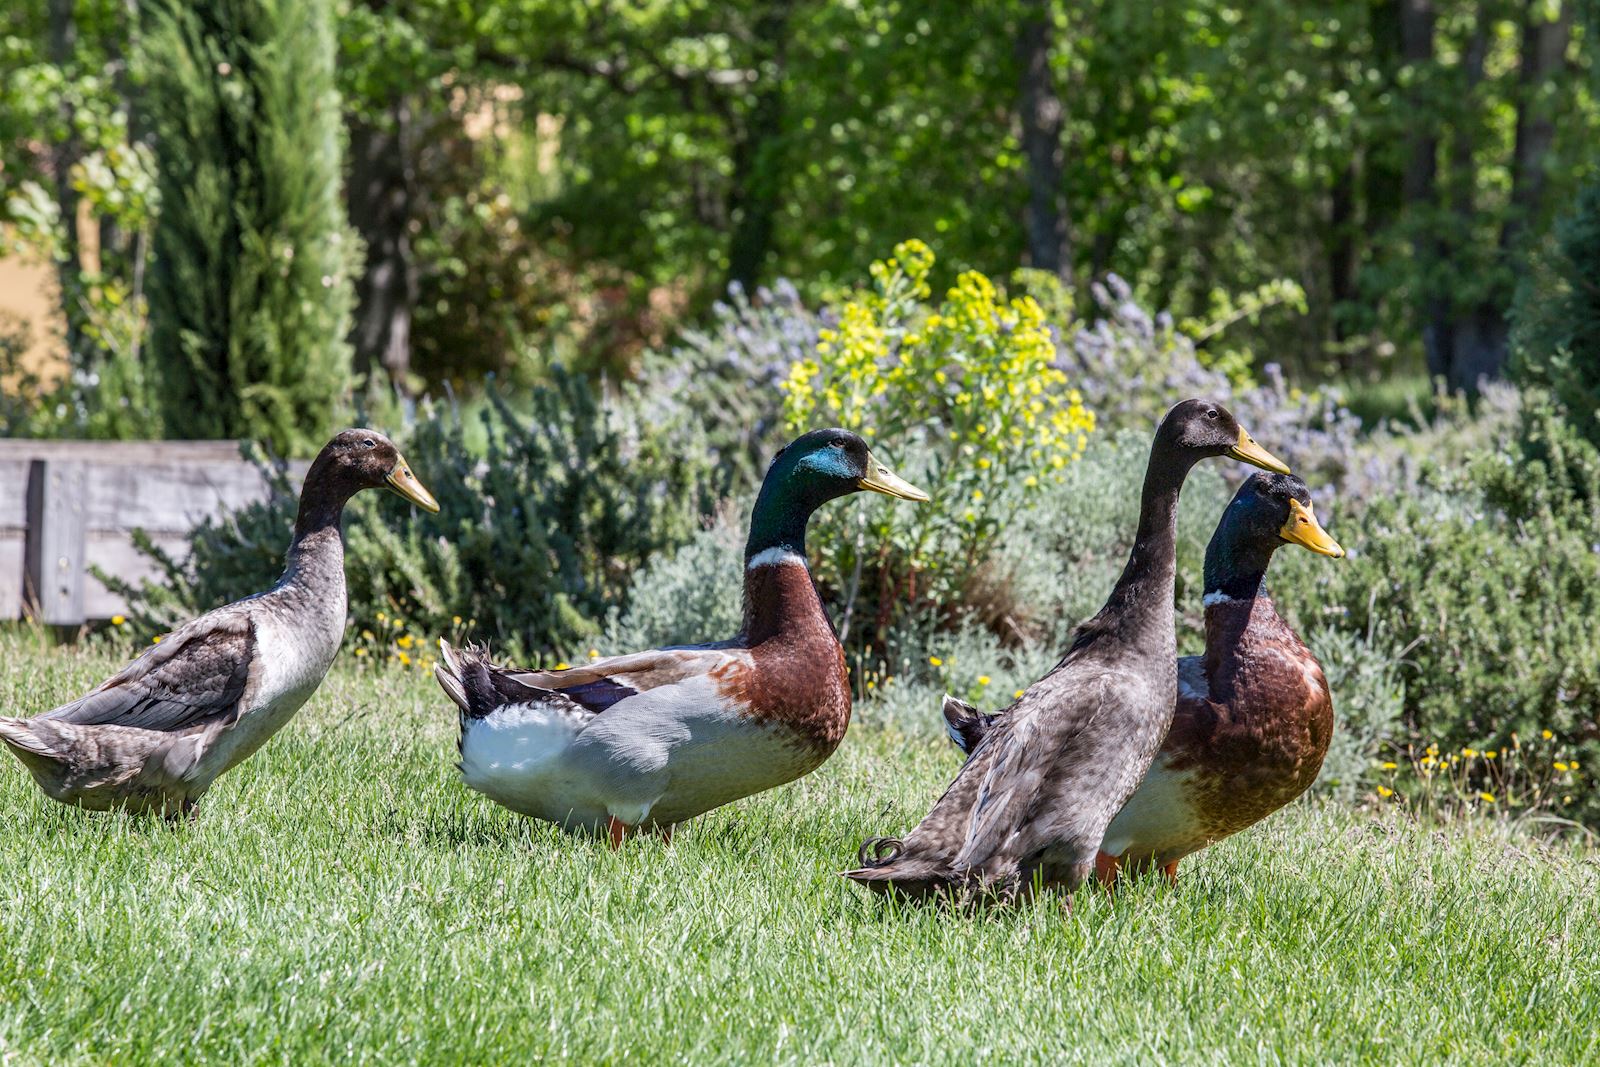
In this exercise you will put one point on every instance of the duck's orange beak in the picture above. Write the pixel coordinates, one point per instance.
(1303, 529)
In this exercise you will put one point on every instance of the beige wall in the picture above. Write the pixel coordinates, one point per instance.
(28, 292)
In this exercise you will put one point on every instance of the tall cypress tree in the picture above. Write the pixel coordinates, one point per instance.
(249, 291)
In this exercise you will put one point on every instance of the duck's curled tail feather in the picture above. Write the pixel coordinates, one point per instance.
(463, 673)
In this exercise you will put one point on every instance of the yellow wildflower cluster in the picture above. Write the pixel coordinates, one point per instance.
(964, 393)
(1516, 778)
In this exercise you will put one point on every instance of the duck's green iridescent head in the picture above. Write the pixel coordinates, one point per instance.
(811, 470)
(1268, 511)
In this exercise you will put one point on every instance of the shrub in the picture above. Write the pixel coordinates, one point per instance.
(963, 395)
(538, 535)
(725, 380)
(1489, 573)
(1132, 366)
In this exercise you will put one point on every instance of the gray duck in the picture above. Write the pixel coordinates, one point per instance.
(1031, 805)
(154, 736)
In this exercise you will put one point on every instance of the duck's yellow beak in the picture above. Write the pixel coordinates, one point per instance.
(402, 481)
(881, 479)
(1303, 529)
(1250, 452)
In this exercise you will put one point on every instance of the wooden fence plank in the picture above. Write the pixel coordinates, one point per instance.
(57, 509)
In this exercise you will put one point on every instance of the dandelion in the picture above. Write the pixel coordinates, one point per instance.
(1017, 695)
(563, 665)
(117, 620)
(935, 661)
(594, 653)
(367, 635)
(1469, 752)
(983, 679)
(405, 641)
(1491, 754)
(1487, 798)
(1546, 734)
(361, 652)
(383, 616)
(1562, 767)
(455, 620)
(404, 657)
(156, 640)
(1385, 791)
(1391, 766)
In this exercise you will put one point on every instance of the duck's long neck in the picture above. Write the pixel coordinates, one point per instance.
(779, 596)
(315, 559)
(1141, 602)
(1238, 610)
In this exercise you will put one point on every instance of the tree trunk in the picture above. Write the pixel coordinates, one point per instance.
(1544, 53)
(1344, 253)
(380, 198)
(1044, 218)
(63, 43)
(1419, 182)
(755, 192)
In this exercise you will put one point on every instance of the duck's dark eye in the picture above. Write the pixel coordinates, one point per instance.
(836, 444)
(369, 443)
(1212, 414)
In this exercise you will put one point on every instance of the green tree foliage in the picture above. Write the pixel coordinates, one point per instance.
(1558, 317)
(250, 293)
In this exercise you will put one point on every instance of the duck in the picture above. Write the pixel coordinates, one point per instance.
(643, 742)
(1029, 808)
(1253, 715)
(153, 737)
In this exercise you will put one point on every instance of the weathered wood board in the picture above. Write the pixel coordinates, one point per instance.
(162, 487)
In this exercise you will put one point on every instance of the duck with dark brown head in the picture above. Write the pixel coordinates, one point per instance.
(1031, 805)
(154, 736)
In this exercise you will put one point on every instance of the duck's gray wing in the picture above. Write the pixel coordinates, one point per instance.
(197, 676)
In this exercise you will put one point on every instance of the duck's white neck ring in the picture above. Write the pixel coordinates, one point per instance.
(774, 557)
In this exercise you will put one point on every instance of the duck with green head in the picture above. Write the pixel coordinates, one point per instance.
(652, 739)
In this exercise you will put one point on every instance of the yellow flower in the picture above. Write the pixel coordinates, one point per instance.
(983, 679)
(404, 658)
(1385, 791)
(594, 653)
(1469, 752)
(1487, 798)
(1390, 766)
(383, 616)
(455, 620)
(367, 635)
(1562, 767)
(935, 661)
(1017, 695)
(404, 641)
(117, 620)
(361, 652)
(1491, 754)
(1546, 734)
(563, 665)
(156, 640)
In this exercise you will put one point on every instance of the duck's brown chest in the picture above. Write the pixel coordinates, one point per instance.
(797, 676)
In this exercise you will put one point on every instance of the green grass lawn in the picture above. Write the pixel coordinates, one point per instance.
(343, 898)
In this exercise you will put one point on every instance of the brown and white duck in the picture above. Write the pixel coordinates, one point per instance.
(154, 736)
(652, 739)
(1031, 805)
(1253, 715)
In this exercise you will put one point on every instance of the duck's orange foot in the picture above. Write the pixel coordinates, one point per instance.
(618, 830)
(1171, 871)
(1106, 869)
